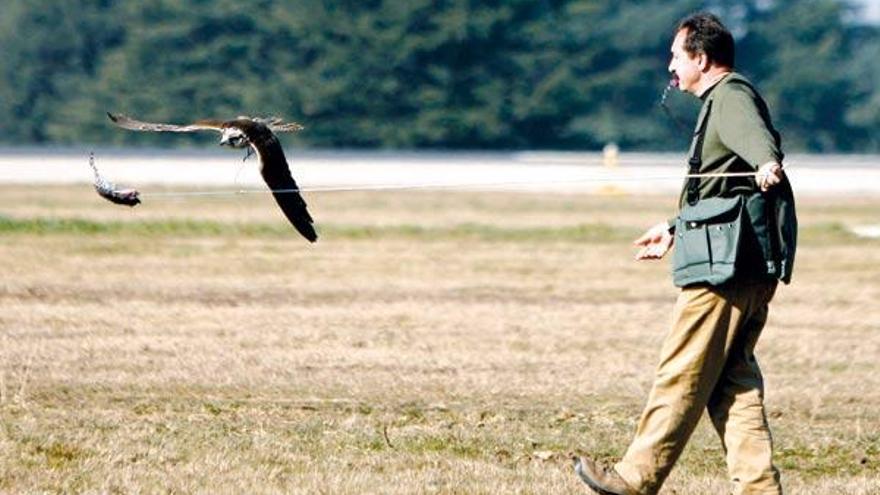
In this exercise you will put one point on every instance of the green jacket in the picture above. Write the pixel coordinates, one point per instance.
(739, 137)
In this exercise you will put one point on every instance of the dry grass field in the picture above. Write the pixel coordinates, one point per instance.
(430, 342)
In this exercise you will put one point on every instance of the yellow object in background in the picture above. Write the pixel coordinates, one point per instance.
(611, 159)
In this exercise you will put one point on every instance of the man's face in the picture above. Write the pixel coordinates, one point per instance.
(686, 69)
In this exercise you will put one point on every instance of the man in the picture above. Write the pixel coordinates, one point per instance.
(707, 359)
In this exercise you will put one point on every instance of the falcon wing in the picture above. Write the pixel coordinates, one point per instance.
(275, 124)
(137, 125)
(280, 126)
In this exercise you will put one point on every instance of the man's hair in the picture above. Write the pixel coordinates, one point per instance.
(706, 34)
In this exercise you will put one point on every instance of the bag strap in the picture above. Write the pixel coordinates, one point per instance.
(696, 159)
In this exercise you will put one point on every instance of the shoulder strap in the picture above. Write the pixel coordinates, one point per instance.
(696, 159)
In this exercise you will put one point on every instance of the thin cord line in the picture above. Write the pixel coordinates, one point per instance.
(393, 187)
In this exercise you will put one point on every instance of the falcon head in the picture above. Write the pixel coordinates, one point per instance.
(234, 137)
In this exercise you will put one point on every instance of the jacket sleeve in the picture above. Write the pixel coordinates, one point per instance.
(745, 129)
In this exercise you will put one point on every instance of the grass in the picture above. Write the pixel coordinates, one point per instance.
(428, 343)
(199, 228)
(602, 233)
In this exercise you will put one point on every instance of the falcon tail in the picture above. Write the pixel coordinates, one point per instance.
(276, 173)
(294, 208)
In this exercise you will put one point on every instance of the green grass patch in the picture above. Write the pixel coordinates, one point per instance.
(448, 444)
(80, 226)
(820, 460)
(483, 232)
(831, 233)
(58, 454)
(824, 233)
(207, 228)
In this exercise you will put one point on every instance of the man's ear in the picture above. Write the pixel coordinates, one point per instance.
(703, 62)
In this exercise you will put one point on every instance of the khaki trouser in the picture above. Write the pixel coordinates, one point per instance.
(708, 360)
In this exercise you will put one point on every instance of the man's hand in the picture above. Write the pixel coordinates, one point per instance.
(768, 175)
(655, 243)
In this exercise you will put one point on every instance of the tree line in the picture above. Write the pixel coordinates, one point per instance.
(408, 74)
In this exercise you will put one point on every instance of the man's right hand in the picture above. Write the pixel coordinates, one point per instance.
(654, 243)
(769, 175)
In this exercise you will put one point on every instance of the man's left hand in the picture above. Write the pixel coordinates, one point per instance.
(769, 175)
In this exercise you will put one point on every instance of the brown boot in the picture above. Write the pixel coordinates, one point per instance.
(604, 481)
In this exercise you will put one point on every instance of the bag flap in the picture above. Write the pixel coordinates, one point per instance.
(710, 209)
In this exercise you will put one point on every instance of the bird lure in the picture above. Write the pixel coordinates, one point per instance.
(108, 190)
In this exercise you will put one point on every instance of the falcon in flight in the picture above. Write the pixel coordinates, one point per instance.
(257, 135)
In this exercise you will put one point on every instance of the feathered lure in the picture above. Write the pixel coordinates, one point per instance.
(108, 190)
